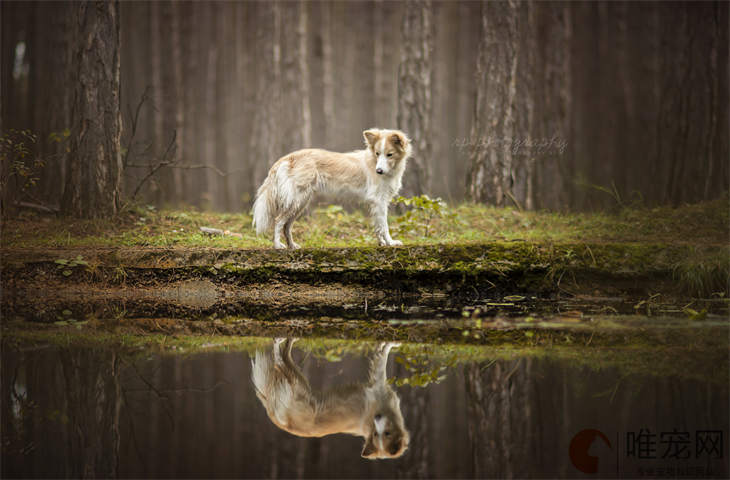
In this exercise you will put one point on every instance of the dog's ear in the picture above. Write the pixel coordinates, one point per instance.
(399, 140)
(368, 451)
(371, 136)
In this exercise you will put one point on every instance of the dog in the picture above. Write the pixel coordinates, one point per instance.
(370, 410)
(373, 175)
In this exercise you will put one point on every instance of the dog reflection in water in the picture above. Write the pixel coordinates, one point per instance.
(370, 410)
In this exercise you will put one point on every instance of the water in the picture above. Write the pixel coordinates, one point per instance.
(95, 411)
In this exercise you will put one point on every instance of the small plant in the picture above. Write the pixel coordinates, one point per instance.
(68, 265)
(21, 163)
(423, 371)
(419, 218)
(16, 150)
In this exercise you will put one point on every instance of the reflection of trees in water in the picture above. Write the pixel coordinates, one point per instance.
(93, 402)
(92, 413)
(416, 403)
(66, 410)
(499, 417)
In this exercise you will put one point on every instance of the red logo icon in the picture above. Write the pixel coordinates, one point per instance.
(579, 447)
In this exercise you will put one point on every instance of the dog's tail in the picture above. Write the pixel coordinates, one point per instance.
(261, 368)
(264, 206)
(277, 194)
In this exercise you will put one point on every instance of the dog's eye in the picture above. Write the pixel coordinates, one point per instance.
(377, 153)
(387, 434)
(390, 155)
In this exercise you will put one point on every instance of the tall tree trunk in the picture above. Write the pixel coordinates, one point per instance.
(551, 173)
(469, 27)
(527, 96)
(414, 92)
(490, 176)
(173, 99)
(328, 84)
(55, 116)
(264, 144)
(155, 69)
(445, 78)
(296, 123)
(93, 188)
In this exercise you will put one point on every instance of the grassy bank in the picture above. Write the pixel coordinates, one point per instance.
(680, 250)
(699, 224)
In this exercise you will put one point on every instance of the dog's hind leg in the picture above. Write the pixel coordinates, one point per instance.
(287, 226)
(278, 225)
(287, 234)
(379, 362)
(285, 363)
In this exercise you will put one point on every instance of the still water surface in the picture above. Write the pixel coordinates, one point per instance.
(93, 412)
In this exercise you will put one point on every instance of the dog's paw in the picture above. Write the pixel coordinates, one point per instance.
(395, 243)
(279, 246)
(295, 246)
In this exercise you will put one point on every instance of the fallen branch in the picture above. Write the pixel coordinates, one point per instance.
(218, 231)
(36, 206)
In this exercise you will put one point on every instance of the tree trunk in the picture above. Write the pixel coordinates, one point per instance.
(93, 188)
(551, 174)
(296, 123)
(490, 176)
(54, 116)
(414, 92)
(328, 83)
(264, 144)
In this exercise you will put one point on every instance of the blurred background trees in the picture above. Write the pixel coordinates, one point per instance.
(542, 105)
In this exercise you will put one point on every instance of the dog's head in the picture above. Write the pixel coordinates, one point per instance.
(390, 148)
(388, 438)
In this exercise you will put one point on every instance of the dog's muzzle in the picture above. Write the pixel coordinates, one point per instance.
(379, 171)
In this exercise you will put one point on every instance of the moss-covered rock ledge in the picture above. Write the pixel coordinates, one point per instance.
(614, 268)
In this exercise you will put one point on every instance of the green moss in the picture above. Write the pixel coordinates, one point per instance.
(686, 247)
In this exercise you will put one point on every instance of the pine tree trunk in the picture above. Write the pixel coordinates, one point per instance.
(414, 92)
(490, 176)
(552, 120)
(328, 83)
(264, 143)
(296, 123)
(93, 187)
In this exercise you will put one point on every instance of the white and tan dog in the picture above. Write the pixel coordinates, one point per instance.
(372, 175)
(370, 410)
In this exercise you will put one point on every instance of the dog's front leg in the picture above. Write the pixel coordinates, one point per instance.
(379, 211)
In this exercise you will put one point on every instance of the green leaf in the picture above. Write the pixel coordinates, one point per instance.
(66, 313)
(61, 261)
(66, 273)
